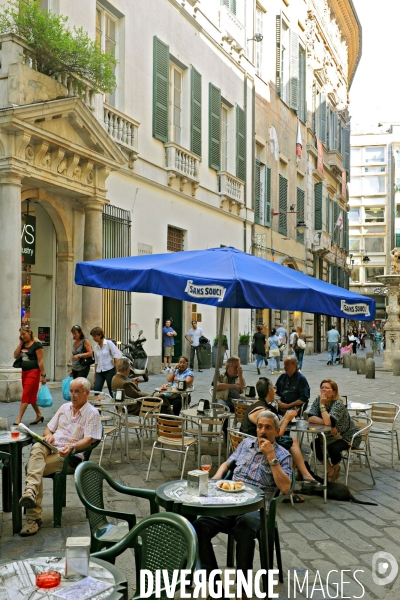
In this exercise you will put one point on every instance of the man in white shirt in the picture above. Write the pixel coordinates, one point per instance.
(193, 336)
(283, 336)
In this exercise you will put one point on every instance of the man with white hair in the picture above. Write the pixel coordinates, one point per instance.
(260, 462)
(75, 426)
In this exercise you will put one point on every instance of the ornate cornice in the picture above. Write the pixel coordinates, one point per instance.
(349, 22)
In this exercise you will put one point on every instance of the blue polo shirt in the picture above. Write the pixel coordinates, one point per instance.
(293, 388)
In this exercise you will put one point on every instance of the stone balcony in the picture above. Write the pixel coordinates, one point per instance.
(230, 190)
(321, 242)
(335, 162)
(182, 164)
(123, 130)
(232, 30)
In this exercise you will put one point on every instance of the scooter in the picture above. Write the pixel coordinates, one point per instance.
(137, 357)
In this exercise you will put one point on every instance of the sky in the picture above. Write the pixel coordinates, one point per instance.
(375, 92)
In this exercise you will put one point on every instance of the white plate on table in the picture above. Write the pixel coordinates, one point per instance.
(229, 491)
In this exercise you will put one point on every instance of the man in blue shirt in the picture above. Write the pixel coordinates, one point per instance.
(260, 462)
(292, 387)
(333, 340)
(168, 344)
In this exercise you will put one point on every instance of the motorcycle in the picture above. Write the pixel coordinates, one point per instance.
(137, 357)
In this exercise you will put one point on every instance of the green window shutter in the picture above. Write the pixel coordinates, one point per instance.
(397, 238)
(323, 119)
(267, 205)
(283, 195)
(341, 277)
(334, 277)
(195, 112)
(328, 272)
(257, 192)
(240, 144)
(294, 70)
(300, 212)
(328, 214)
(302, 85)
(233, 6)
(346, 155)
(318, 206)
(278, 82)
(336, 210)
(335, 131)
(328, 128)
(214, 137)
(160, 89)
(314, 109)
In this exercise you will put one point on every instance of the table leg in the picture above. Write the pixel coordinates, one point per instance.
(126, 431)
(16, 477)
(6, 491)
(325, 473)
(264, 551)
(199, 445)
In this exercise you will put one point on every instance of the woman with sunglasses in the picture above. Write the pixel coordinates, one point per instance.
(81, 349)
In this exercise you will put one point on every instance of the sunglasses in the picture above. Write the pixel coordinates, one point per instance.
(76, 327)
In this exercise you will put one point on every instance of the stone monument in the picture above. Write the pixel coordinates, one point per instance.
(392, 325)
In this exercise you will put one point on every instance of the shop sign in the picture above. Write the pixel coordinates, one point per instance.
(28, 240)
(44, 335)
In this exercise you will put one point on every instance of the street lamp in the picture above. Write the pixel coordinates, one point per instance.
(301, 227)
(258, 37)
(366, 259)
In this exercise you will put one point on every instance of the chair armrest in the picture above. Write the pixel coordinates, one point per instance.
(82, 451)
(106, 512)
(149, 495)
(111, 553)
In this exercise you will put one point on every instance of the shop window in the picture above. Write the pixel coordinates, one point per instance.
(372, 272)
(175, 239)
(374, 244)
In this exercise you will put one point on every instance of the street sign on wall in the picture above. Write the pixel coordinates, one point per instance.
(28, 240)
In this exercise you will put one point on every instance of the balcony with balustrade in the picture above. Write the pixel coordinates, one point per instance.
(123, 130)
(233, 32)
(231, 191)
(183, 165)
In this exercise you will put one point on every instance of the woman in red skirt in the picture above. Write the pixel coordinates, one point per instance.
(31, 351)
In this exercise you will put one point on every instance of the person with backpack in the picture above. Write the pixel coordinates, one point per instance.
(299, 345)
(106, 355)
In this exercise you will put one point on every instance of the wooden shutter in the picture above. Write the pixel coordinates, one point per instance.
(314, 109)
(328, 214)
(278, 82)
(334, 279)
(294, 70)
(214, 137)
(267, 205)
(328, 128)
(233, 6)
(318, 206)
(240, 144)
(335, 131)
(283, 195)
(195, 112)
(323, 119)
(160, 89)
(346, 155)
(300, 212)
(257, 192)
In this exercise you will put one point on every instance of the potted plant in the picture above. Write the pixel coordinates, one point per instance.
(215, 350)
(244, 348)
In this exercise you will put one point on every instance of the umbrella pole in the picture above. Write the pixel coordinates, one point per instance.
(219, 352)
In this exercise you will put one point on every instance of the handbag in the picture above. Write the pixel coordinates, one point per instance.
(301, 344)
(44, 397)
(88, 360)
(65, 388)
(274, 352)
(17, 364)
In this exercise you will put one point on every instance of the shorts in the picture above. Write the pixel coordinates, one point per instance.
(168, 350)
(30, 386)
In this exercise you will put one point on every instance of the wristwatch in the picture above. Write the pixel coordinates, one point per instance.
(43, 375)
(274, 462)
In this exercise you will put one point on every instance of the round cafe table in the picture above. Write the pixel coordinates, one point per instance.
(359, 406)
(174, 390)
(174, 498)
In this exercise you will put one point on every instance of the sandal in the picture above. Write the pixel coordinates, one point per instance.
(31, 527)
(312, 483)
(28, 499)
(296, 499)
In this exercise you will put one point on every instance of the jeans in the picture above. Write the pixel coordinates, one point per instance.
(299, 355)
(334, 450)
(102, 377)
(272, 360)
(332, 351)
(193, 350)
(259, 360)
(244, 528)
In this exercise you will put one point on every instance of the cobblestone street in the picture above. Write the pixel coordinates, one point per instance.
(314, 536)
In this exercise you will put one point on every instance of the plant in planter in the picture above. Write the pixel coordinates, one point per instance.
(224, 341)
(58, 50)
(244, 341)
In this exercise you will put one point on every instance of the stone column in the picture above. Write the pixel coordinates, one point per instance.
(78, 245)
(10, 283)
(65, 263)
(392, 325)
(92, 250)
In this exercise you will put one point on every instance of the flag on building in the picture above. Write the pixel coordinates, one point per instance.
(299, 142)
(339, 222)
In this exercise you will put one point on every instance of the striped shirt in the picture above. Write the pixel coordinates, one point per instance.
(252, 466)
(69, 429)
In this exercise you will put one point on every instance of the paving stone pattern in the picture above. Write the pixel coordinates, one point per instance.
(316, 538)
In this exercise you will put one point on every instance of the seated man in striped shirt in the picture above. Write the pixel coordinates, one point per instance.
(75, 426)
(262, 463)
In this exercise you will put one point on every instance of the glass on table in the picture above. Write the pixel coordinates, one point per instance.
(205, 463)
(15, 432)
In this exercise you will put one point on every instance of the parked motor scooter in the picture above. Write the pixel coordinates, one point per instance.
(137, 356)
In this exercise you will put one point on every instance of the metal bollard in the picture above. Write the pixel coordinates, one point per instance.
(370, 368)
(353, 362)
(369, 354)
(346, 361)
(361, 365)
(396, 366)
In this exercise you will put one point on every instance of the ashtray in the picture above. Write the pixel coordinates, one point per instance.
(48, 579)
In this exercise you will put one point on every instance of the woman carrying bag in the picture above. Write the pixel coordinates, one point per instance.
(274, 352)
(258, 348)
(29, 357)
(81, 353)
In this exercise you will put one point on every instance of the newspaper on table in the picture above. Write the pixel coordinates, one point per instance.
(37, 438)
(84, 589)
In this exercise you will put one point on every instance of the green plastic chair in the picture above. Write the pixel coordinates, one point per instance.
(5, 458)
(164, 541)
(89, 480)
(60, 482)
(272, 531)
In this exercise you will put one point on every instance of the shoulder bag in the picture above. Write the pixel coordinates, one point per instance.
(301, 343)
(17, 364)
(88, 360)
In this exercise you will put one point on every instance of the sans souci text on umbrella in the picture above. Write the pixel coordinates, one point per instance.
(205, 291)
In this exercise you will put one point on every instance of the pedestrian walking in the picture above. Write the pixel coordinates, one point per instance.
(274, 351)
(352, 340)
(168, 344)
(283, 336)
(299, 345)
(29, 358)
(258, 348)
(106, 355)
(363, 337)
(81, 350)
(193, 337)
(333, 337)
(378, 341)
